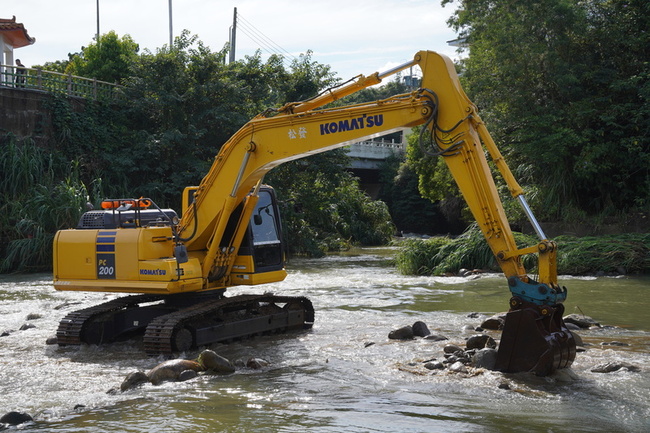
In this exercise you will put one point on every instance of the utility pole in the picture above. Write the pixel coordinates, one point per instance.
(171, 33)
(233, 37)
(97, 37)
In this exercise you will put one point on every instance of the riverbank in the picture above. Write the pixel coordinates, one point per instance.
(619, 254)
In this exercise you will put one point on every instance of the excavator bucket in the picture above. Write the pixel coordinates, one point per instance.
(535, 339)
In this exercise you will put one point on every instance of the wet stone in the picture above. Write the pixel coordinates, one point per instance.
(420, 329)
(452, 348)
(15, 418)
(434, 365)
(485, 358)
(211, 361)
(494, 323)
(458, 367)
(403, 333)
(257, 363)
(480, 341)
(133, 380)
(614, 343)
(435, 337)
(581, 320)
(170, 370)
(614, 366)
(187, 375)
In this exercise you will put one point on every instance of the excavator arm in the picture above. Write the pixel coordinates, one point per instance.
(203, 252)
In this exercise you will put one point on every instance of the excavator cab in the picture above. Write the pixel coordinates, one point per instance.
(262, 249)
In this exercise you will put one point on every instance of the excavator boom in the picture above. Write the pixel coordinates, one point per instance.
(229, 230)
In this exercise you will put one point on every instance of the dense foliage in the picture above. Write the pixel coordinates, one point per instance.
(564, 88)
(620, 254)
(183, 103)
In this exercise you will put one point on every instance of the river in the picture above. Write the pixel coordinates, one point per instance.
(330, 379)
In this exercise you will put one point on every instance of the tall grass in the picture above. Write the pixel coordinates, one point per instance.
(39, 195)
(625, 253)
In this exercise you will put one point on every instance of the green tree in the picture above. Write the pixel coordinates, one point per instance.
(108, 59)
(563, 87)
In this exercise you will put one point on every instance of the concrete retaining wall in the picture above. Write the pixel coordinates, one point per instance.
(22, 113)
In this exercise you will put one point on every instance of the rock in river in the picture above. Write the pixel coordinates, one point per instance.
(495, 322)
(485, 358)
(403, 333)
(171, 370)
(210, 361)
(581, 320)
(178, 370)
(480, 341)
(15, 418)
(134, 379)
(614, 366)
(420, 329)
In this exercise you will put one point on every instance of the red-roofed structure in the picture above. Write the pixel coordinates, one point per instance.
(12, 35)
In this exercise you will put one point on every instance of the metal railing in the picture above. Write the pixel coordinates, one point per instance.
(56, 82)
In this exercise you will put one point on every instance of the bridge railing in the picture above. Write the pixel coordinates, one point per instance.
(378, 148)
(56, 82)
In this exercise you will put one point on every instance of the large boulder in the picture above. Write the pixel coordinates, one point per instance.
(212, 362)
(15, 418)
(403, 333)
(171, 370)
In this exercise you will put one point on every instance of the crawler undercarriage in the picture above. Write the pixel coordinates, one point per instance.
(175, 323)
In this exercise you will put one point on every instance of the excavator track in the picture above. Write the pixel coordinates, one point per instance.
(226, 319)
(173, 324)
(71, 327)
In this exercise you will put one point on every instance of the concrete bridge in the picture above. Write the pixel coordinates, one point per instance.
(368, 156)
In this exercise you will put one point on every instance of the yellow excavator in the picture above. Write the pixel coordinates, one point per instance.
(229, 233)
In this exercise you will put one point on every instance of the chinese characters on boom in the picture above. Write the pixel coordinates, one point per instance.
(298, 133)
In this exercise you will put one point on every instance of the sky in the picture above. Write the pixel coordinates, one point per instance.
(353, 37)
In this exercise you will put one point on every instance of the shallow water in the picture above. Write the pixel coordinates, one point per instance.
(326, 379)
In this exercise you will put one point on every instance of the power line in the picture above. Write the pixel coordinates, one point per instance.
(261, 39)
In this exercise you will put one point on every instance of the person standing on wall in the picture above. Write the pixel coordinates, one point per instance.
(20, 74)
